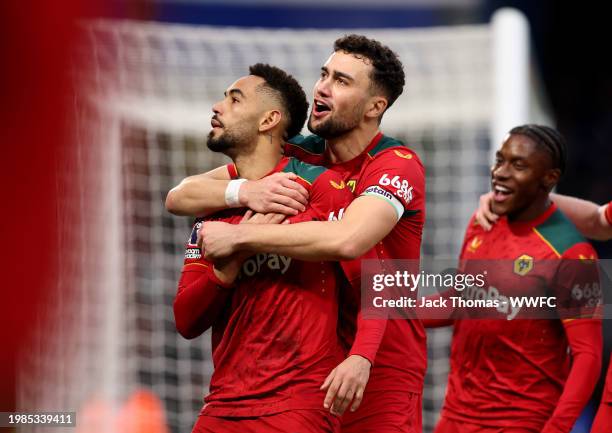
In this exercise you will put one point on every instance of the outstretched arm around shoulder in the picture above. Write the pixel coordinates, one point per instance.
(206, 193)
(592, 220)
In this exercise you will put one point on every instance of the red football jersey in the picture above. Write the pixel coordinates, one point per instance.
(274, 332)
(508, 371)
(607, 394)
(388, 170)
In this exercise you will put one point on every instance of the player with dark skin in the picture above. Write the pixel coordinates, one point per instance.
(528, 165)
(594, 222)
(522, 178)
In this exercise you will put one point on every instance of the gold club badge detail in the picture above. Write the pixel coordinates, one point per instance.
(403, 155)
(474, 244)
(523, 265)
(341, 185)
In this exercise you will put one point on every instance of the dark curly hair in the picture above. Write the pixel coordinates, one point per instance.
(548, 139)
(387, 70)
(290, 93)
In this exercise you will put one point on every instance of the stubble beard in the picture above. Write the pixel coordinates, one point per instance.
(335, 127)
(230, 142)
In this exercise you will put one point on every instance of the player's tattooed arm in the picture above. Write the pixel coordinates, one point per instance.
(204, 194)
(592, 220)
(366, 221)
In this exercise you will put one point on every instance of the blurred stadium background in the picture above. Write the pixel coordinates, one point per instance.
(142, 79)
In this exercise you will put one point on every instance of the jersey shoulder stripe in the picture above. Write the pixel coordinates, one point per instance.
(384, 144)
(559, 233)
(305, 171)
(311, 144)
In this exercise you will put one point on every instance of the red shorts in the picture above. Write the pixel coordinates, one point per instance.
(385, 412)
(295, 421)
(447, 425)
(603, 420)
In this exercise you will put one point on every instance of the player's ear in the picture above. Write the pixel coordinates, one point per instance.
(269, 120)
(376, 107)
(551, 178)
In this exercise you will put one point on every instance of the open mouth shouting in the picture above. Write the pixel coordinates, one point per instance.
(320, 109)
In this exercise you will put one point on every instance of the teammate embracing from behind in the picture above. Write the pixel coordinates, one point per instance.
(361, 79)
(517, 375)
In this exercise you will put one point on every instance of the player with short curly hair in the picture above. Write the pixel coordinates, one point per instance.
(274, 333)
(387, 72)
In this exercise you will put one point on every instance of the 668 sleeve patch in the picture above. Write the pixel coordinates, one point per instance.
(402, 187)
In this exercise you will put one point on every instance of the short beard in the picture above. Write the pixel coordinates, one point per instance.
(227, 143)
(333, 128)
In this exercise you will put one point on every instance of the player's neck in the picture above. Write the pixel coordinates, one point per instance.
(533, 211)
(351, 144)
(262, 160)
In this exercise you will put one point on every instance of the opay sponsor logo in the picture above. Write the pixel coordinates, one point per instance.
(263, 261)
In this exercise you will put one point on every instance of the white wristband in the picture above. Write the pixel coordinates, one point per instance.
(231, 192)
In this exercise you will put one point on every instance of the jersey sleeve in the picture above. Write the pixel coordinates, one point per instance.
(577, 285)
(369, 331)
(607, 394)
(329, 196)
(397, 176)
(608, 213)
(200, 296)
(585, 342)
